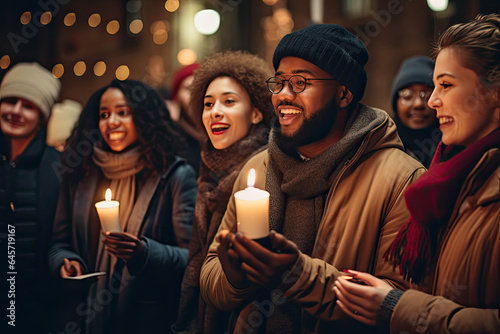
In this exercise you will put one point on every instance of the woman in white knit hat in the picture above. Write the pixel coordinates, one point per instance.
(28, 195)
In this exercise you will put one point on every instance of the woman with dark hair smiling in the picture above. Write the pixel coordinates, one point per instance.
(232, 108)
(125, 141)
(451, 243)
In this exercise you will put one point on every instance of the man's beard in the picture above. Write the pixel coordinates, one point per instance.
(313, 129)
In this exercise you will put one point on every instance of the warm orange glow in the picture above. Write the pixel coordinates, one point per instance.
(4, 62)
(112, 27)
(80, 68)
(26, 18)
(136, 26)
(94, 20)
(270, 2)
(70, 19)
(99, 68)
(58, 71)
(159, 25)
(171, 5)
(46, 18)
(160, 36)
(122, 72)
(186, 57)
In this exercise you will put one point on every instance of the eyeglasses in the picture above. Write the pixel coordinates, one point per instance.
(297, 83)
(407, 96)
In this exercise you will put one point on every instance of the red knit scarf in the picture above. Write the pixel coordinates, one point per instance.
(431, 200)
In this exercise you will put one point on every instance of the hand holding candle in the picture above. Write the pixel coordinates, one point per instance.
(108, 212)
(252, 210)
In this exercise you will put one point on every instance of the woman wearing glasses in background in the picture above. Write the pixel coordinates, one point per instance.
(232, 107)
(451, 243)
(417, 124)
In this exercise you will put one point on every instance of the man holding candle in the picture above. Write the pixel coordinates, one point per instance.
(336, 172)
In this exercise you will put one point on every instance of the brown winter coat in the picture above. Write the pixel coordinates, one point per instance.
(364, 210)
(466, 284)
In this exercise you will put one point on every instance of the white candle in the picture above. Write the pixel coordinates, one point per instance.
(108, 212)
(252, 210)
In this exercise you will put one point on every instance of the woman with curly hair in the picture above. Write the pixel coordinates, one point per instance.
(125, 141)
(232, 107)
(451, 243)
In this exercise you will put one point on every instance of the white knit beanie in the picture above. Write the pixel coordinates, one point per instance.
(63, 119)
(32, 82)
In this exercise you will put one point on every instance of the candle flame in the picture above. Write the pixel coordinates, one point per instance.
(251, 178)
(107, 196)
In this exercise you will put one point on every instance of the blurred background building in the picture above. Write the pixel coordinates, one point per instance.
(87, 43)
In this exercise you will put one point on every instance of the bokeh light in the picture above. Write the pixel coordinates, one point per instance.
(207, 21)
(94, 20)
(46, 18)
(186, 57)
(136, 26)
(112, 27)
(171, 5)
(122, 72)
(25, 18)
(160, 36)
(69, 19)
(99, 68)
(4, 62)
(270, 2)
(80, 68)
(437, 5)
(58, 70)
(159, 25)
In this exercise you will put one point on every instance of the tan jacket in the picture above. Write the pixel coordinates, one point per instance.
(466, 285)
(364, 210)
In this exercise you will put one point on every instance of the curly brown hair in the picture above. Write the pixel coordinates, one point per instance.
(249, 70)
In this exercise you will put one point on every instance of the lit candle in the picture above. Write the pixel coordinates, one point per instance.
(108, 212)
(252, 210)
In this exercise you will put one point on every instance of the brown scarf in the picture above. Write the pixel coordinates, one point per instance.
(218, 171)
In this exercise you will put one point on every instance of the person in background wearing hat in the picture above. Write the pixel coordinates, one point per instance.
(336, 171)
(63, 119)
(179, 109)
(29, 188)
(418, 126)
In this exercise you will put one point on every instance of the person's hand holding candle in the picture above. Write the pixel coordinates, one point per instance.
(263, 266)
(124, 245)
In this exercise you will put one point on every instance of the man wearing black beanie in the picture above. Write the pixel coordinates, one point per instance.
(336, 172)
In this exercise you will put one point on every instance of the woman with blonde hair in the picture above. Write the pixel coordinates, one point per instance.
(451, 243)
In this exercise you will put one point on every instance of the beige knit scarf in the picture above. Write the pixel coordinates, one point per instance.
(121, 168)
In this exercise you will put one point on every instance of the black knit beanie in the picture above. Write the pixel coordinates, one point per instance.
(414, 70)
(333, 49)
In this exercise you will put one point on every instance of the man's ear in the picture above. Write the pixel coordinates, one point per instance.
(256, 115)
(344, 97)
